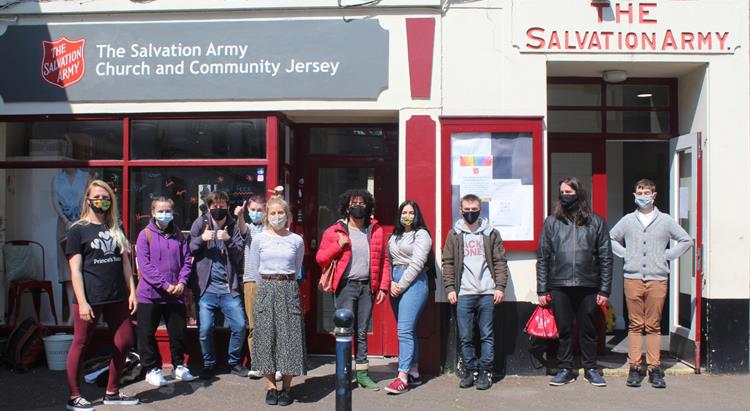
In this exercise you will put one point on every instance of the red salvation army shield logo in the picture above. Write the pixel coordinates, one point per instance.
(63, 63)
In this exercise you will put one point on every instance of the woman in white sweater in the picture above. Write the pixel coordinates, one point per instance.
(409, 250)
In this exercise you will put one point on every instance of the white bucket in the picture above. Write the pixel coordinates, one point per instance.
(56, 347)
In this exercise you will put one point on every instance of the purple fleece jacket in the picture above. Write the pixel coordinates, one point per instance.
(164, 262)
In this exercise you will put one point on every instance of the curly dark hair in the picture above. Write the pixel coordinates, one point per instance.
(356, 192)
(581, 214)
(416, 225)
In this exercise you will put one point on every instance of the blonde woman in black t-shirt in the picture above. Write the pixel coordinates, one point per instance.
(99, 257)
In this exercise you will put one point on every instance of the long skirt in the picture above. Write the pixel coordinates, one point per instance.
(279, 334)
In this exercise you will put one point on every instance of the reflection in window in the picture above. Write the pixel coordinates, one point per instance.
(574, 95)
(62, 140)
(498, 168)
(347, 140)
(638, 122)
(637, 95)
(569, 121)
(181, 139)
(187, 187)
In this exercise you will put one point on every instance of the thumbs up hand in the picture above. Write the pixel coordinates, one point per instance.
(222, 235)
(208, 235)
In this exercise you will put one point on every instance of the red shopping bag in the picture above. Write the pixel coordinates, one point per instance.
(542, 323)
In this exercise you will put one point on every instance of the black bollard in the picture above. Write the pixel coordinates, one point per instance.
(343, 319)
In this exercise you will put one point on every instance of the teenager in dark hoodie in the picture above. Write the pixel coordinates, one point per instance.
(164, 262)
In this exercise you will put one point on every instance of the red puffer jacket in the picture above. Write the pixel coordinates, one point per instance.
(380, 270)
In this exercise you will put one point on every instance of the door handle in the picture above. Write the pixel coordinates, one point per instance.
(313, 244)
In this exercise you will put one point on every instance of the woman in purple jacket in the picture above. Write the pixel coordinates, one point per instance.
(164, 263)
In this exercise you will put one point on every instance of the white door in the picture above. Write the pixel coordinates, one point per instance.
(686, 273)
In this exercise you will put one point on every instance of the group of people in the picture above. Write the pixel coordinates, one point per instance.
(245, 262)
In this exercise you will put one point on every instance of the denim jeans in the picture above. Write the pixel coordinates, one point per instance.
(479, 309)
(231, 307)
(357, 297)
(407, 308)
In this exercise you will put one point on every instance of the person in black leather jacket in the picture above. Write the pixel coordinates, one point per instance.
(574, 276)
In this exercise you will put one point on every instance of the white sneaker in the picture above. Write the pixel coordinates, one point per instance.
(182, 373)
(278, 376)
(155, 378)
(255, 374)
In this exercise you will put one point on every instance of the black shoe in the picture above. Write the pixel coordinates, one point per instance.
(207, 373)
(484, 380)
(656, 378)
(79, 404)
(468, 379)
(564, 376)
(594, 377)
(240, 371)
(120, 399)
(272, 397)
(285, 397)
(634, 377)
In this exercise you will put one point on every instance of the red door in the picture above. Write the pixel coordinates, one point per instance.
(328, 161)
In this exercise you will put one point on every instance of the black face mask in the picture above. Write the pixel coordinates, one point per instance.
(357, 212)
(568, 201)
(218, 214)
(471, 217)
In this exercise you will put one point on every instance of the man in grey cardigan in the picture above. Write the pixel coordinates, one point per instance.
(641, 238)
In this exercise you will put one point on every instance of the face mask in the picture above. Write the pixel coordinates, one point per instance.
(255, 216)
(644, 201)
(99, 205)
(277, 222)
(407, 219)
(471, 217)
(218, 214)
(357, 212)
(164, 218)
(568, 200)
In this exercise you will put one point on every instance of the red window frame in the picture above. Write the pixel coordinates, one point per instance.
(530, 124)
(271, 161)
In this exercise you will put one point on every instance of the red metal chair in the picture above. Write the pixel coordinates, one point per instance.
(16, 289)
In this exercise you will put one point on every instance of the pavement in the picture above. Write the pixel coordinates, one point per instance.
(41, 389)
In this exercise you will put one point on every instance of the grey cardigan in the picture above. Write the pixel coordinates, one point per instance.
(645, 248)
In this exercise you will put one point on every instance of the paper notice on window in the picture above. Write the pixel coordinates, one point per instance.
(512, 209)
(469, 146)
(479, 186)
(504, 207)
(684, 203)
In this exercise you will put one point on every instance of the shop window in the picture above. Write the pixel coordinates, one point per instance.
(187, 187)
(500, 162)
(574, 95)
(569, 121)
(37, 205)
(358, 141)
(198, 139)
(637, 95)
(652, 122)
(61, 140)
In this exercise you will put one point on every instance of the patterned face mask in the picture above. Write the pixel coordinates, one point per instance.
(100, 205)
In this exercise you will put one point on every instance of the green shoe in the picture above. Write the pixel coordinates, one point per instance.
(364, 381)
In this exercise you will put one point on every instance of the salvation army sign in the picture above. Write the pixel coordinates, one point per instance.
(187, 61)
(63, 63)
(684, 27)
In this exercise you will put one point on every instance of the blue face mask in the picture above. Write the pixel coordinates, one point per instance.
(255, 216)
(164, 218)
(644, 201)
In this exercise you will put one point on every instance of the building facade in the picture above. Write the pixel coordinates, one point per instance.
(419, 99)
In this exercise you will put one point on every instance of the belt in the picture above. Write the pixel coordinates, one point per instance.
(278, 277)
(358, 281)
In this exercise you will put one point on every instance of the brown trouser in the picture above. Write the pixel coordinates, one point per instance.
(249, 290)
(645, 301)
